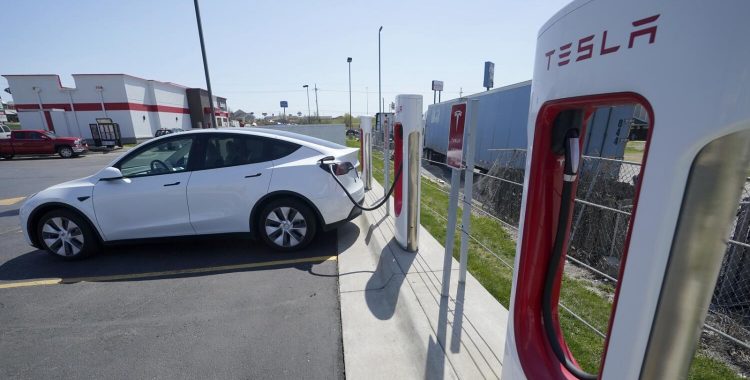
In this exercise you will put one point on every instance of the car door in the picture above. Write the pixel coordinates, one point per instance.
(21, 142)
(235, 173)
(150, 200)
(35, 143)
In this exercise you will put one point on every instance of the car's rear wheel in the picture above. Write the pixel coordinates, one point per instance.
(8, 157)
(64, 234)
(287, 224)
(65, 151)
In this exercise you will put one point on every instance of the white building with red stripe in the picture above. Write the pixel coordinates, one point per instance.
(140, 106)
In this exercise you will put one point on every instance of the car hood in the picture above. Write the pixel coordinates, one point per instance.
(66, 139)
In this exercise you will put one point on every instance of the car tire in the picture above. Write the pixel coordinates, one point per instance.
(66, 235)
(286, 224)
(8, 157)
(65, 151)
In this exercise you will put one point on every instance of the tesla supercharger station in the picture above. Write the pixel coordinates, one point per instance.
(407, 151)
(365, 151)
(686, 64)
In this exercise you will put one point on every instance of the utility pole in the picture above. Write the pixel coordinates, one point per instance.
(317, 111)
(205, 64)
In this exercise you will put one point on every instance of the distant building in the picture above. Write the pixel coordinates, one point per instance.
(140, 106)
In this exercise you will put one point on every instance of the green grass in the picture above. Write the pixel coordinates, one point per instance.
(634, 151)
(497, 277)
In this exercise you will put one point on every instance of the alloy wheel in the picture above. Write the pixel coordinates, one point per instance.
(285, 226)
(62, 236)
(66, 152)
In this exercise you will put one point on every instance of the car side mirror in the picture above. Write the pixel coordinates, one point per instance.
(110, 174)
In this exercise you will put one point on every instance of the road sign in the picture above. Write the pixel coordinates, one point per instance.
(437, 85)
(456, 136)
(284, 104)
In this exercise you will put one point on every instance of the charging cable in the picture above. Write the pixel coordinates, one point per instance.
(570, 172)
(365, 208)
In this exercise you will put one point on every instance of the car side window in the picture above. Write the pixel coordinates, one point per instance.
(277, 149)
(165, 157)
(20, 135)
(233, 150)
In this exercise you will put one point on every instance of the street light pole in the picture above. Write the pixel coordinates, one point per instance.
(307, 88)
(205, 64)
(380, 89)
(317, 110)
(349, 61)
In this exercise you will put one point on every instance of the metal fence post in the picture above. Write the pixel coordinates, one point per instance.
(469, 145)
(450, 233)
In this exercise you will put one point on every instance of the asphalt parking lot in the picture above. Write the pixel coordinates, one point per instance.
(197, 308)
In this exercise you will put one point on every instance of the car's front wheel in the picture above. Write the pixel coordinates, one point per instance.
(287, 224)
(64, 234)
(65, 151)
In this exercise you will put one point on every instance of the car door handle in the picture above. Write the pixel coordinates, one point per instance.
(172, 184)
(254, 175)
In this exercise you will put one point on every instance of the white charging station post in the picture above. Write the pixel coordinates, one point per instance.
(604, 53)
(454, 159)
(365, 143)
(407, 140)
(469, 146)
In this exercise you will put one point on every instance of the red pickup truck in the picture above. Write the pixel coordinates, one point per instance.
(41, 142)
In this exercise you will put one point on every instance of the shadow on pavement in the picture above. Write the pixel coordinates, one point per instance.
(384, 285)
(188, 253)
(9, 213)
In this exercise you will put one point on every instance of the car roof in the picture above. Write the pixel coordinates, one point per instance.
(319, 145)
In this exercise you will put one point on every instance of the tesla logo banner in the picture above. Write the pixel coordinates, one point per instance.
(456, 136)
(586, 46)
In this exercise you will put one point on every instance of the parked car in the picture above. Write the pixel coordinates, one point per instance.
(4, 131)
(33, 142)
(273, 185)
(165, 131)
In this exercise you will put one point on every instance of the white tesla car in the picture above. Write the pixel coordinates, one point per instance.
(270, 184)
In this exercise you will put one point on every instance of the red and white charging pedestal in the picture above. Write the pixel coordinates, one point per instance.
(407, 153)
(686, 64)
(365, 149)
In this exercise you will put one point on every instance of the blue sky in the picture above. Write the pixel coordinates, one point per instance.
(261, 52)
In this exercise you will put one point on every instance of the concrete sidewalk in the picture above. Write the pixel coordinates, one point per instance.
(395, 324)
